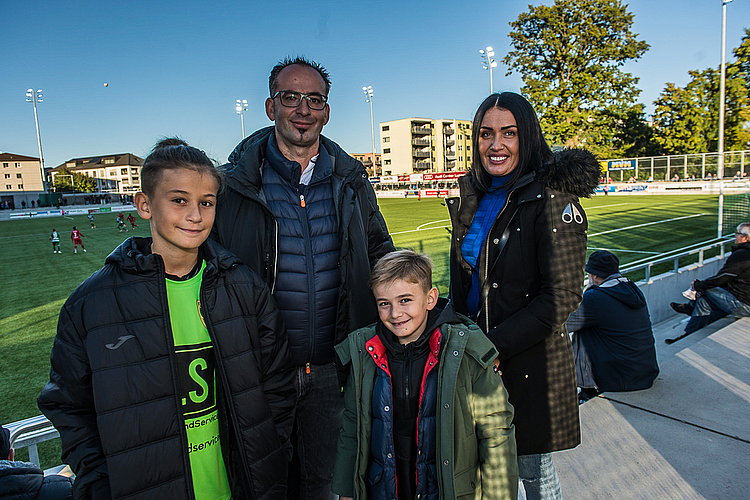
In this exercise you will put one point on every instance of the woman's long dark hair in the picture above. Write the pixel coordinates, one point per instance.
(533, 149)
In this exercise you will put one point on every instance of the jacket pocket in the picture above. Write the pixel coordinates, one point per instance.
(466, 482)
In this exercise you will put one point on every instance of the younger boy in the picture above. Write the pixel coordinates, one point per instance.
(75, 236)
(187, 392)
(426, 414)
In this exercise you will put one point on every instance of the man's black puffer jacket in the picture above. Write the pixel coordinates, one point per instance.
(119, 410)
(734, 276)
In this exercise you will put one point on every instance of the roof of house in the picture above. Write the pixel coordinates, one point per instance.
(15, 157)
(121, 159)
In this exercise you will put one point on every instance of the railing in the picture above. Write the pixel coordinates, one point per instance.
(421, 130)
(30, 432)
(675, 256)
(420, 142)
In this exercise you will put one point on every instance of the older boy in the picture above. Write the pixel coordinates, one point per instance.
(426, 414)
(187, 393)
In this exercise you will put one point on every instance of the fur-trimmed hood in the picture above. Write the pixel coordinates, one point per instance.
(574, 171)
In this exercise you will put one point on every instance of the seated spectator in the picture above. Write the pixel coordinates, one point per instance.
(728, 292)
(613, 342)
(24, 480)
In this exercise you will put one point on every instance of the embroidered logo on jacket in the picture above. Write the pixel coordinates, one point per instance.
(121, 340)
(571, 214)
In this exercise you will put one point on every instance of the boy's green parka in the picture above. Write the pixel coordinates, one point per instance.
(476, 447)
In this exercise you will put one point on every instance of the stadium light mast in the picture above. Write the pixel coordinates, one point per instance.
(241, 108)
(722, 86)
(368, 98)
(36, 97)
(488, 62)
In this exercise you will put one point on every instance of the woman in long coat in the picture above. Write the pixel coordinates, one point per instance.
(518, 249)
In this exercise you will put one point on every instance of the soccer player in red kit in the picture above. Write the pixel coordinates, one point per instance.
(76, 236)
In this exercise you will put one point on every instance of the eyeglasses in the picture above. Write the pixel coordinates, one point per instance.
(292, 99)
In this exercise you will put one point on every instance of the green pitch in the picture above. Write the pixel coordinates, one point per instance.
(36, 281)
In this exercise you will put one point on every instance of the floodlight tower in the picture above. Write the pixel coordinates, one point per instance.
(488, 62)
(241, 108)
(722, 85)
(36, 97)
(368, 98)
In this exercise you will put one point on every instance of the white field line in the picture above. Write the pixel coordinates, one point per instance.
(433, 222)
(622, 250)
(647, 224)
(607, 206)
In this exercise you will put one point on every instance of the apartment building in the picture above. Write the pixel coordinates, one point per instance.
(366, 159)
(425, 145)
(116, 173)
(22, 179)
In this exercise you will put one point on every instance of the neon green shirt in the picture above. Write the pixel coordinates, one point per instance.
(195, 363)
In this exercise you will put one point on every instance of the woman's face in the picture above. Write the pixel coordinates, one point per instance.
(498, 142)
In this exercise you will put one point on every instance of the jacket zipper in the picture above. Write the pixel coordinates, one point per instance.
(225, 382)
(310, 274)
(175, 378)
(486, 252)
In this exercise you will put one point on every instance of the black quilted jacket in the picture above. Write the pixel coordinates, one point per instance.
(119, 410)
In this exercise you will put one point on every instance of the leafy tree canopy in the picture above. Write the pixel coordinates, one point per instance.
(569, 55)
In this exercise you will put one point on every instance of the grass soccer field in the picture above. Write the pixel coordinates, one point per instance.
(36, 281)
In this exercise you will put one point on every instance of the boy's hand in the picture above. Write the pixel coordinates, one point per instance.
(497, 365)
(346, 498)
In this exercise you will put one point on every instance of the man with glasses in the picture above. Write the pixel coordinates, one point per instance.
(301, 213)
(728, 292)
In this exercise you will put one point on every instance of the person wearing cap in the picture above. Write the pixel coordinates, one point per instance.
(24, 480)
(613, 342)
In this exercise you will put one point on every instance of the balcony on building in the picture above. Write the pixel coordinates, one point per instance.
(449, 131)
(419, 166)
(450, 164)
(450, 155)
(420, 142)
(420, 154)
(449, 143)
(421, 130)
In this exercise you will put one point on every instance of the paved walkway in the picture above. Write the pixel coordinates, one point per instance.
(688, 437)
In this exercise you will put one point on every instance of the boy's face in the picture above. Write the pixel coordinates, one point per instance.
(403, 307)
(181, 211)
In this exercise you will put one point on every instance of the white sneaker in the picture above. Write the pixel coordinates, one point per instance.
(84, 249)
(75, 250)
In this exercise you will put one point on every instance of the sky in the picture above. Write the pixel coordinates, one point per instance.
(176, 67)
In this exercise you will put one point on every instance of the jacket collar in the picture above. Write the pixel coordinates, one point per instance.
(134, 256)
(290, 170)
(244, 173)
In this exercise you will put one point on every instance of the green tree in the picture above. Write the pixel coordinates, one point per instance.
(67, 181)
(687, 119)
(569, 55)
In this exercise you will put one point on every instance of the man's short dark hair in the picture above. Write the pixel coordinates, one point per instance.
(302, 61)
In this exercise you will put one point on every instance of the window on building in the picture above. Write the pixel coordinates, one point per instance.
(109, 161)
(7, 176)
(387, 162)
(133, 170)
(5, 165)
(386, 151)
(123, 171)
(18, 176)
(386, 128)
(460, 158)
(468, 147)
(18, 165)
(459, 147)
(20, 186)
(386, 139)
(112, 173)
(8, 186)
